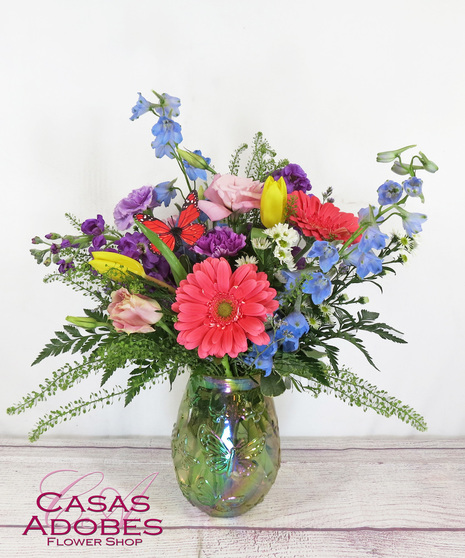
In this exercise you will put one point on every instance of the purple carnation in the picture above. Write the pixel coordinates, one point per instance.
(294, 177)
(93, 227)
(138, 200)
(220, 241)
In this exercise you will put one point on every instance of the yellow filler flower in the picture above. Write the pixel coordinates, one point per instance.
(117, 267)
(273, 202)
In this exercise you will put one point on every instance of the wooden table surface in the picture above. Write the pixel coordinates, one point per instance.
(333, 498)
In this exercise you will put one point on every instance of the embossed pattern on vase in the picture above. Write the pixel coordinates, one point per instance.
(225, 445)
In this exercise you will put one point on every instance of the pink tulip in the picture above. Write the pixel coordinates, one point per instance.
(133, 313)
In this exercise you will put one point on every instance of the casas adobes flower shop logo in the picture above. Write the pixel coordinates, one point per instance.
(77, 514)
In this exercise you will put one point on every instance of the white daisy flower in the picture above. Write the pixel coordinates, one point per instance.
(246, 260)
(261, 243)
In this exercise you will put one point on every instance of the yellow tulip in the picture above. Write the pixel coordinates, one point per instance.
(115, 266)
(273, 202)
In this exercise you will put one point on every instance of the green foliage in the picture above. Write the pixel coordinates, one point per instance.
(261, 162)
(356, 391)
(72, 340)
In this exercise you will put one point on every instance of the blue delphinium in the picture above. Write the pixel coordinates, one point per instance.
(365, 262)
(194, 173)
(412, 222)
(261, 356)
(372, 239)
(141, 107)
(169, 105)
(165, 192)
(413, 187)
(389, 192)
(326, 252)
(318, 286)
(167, 134)
(291, 278)
(369, 215)
(291, 330)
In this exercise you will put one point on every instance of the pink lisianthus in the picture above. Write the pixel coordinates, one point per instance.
(218, 310)
(133, 313)
(230, 194)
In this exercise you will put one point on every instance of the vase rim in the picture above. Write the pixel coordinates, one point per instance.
(226, 384)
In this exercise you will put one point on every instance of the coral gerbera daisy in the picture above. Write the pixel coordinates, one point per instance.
(218, 310)
(324, 221)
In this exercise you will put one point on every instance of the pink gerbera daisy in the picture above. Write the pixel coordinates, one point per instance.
(218, 310)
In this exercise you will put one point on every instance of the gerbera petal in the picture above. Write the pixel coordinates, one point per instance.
(206, 347)
(227, 340)
(242, 273)
(251, 325)
(223, 276)
(204, 281)
(253, 309)
(239, 339)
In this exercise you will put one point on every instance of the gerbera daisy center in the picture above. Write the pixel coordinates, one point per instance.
(224, 309)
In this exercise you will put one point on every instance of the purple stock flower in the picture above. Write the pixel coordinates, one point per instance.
(138, 200)
(220, 241)
(294, 177)
(93, 227)
(136, 246)
(64, 266)
(98, 242)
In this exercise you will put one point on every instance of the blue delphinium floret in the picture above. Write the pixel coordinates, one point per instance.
(318, 286)
(372, 239)
(412, 222)
(291, 330)
(413, 187)
(165, 192)
(141, 107)
(167, 134)
(168, 106)
(326, 252)
(261, 356)
(365, 262)
(194, 173)
(389, 192)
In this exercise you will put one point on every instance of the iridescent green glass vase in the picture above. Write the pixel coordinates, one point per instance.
(225, 444)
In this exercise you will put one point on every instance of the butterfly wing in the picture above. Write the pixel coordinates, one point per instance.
(219, 457)
(192, 233)
(160, 228)
(244, 463)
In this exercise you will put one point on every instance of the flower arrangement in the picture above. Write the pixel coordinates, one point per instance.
(251, 275)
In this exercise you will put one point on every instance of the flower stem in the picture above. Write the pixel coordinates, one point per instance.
(162, 324)
(227, 368)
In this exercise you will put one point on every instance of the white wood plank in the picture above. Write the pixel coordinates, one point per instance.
(381, 488)
(420, 441)
(231, 543)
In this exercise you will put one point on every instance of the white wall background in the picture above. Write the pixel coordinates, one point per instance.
(329, 83)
